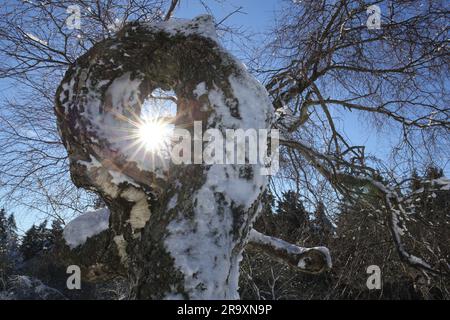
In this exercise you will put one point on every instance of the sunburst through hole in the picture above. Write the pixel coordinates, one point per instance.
(154, 130)
(148, 133)
(154, 134)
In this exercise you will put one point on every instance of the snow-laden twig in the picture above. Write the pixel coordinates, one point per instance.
(397, 227)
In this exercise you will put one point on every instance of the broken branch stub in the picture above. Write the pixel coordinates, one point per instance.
(179, 230)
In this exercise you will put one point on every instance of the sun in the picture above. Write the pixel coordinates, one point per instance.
(148, 131)
(154, 134)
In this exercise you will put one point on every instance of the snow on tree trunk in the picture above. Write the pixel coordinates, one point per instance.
(179, 229)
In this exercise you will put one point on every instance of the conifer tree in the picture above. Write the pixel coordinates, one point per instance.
(292, 217)
(9, 255)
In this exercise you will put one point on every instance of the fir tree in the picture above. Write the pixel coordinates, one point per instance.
(56, 233)
(9, 254)
(292, 217)
(30, 246)
(322, 224)
(3, 238)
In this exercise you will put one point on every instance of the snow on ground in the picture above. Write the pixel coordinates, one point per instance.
(28, 288)
(85, 226)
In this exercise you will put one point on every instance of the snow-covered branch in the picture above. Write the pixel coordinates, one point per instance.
(311, 260)
(396, 214)
(362, 176)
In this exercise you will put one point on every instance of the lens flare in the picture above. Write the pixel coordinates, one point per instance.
(153, 134)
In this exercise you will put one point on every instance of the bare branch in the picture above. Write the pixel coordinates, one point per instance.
(171, 10)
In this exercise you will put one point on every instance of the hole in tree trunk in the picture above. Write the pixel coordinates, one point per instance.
(158, 113)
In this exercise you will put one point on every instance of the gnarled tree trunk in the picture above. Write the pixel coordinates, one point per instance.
(179, 230)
